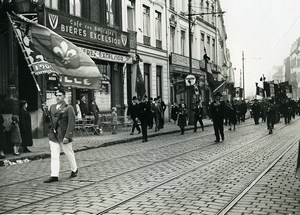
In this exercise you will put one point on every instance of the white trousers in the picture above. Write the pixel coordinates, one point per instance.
(55, 153)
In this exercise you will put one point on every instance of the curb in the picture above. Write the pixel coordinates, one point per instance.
(43, 155)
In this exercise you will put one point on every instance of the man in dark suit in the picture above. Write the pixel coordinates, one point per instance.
(61, 135)
(133, 113)
(198, 116)
(83, 106)
(144, 111)
(217, 110)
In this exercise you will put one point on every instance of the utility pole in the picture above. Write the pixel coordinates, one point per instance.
(243, 59)
(191, 120)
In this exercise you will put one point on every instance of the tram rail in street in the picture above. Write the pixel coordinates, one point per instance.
(152, 164)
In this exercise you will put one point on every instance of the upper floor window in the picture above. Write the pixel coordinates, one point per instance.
(182, 42)
(172, 33)
(75, 7)
(110, 12)
(52, 4)
(131, 14)
(158, 25)
(146, 20)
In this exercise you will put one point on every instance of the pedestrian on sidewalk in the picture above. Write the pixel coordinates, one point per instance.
(158, 112)
(232, 114)
(61, 135)
(217, 110)
(133, 113)
(25, 126)
(95, 110)
(15, 134)
(198, 115)
(114, 120)
(174, 112)
(163, 106)
(143, 115)
(182, 114)
(2, 137)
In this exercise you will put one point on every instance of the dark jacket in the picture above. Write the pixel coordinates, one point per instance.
(25, 127)
(133, 110)
(174, 112)
(198, 112)
(63, 122)
(217, 111)
(15, 135)
(84, 108)
(182, 114)
(144, 110)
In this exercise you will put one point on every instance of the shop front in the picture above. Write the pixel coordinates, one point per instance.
(179, 70)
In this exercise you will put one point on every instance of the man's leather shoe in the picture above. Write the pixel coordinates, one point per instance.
(74, 174)
(217, 141)
(51, 179)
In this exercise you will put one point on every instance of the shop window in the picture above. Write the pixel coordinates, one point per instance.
(158, 81)
(147, 78)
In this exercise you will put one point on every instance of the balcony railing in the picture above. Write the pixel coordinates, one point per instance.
(147, 40)
(158, 44)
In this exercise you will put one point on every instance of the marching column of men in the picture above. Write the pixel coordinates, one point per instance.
(231, 112)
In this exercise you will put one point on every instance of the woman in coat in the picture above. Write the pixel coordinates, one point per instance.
(25, 126)
(182, 113)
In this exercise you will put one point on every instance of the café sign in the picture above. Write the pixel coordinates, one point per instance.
(184, 61)
(95, 54)
(82, 29)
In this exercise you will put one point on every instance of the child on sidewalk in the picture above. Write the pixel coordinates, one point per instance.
(114, 120)
(15, 134)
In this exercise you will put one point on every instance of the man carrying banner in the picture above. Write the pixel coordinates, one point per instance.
(61, 135)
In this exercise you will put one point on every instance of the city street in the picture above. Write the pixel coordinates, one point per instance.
(170, 174)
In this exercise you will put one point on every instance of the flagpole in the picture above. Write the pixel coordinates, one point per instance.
(45, 110)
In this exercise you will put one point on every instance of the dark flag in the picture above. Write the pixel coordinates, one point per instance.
(75, 68)
(140, 84)
(267, 89)
(259, 91)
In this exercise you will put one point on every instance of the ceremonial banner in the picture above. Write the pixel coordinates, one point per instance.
(36, 61)
(140, 85)
(75, 68)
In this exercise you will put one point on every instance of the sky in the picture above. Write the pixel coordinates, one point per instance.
(265, 30)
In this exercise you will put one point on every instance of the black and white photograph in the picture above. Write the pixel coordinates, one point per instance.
(155, 107)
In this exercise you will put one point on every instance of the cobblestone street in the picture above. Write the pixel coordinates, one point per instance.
(170, 174)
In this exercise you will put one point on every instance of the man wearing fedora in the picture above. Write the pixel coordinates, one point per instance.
(217, 108)
(61, 135)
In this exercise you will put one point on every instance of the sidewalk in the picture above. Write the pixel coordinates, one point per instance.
(40, 148)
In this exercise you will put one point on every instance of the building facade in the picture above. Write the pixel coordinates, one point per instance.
(121, 37)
